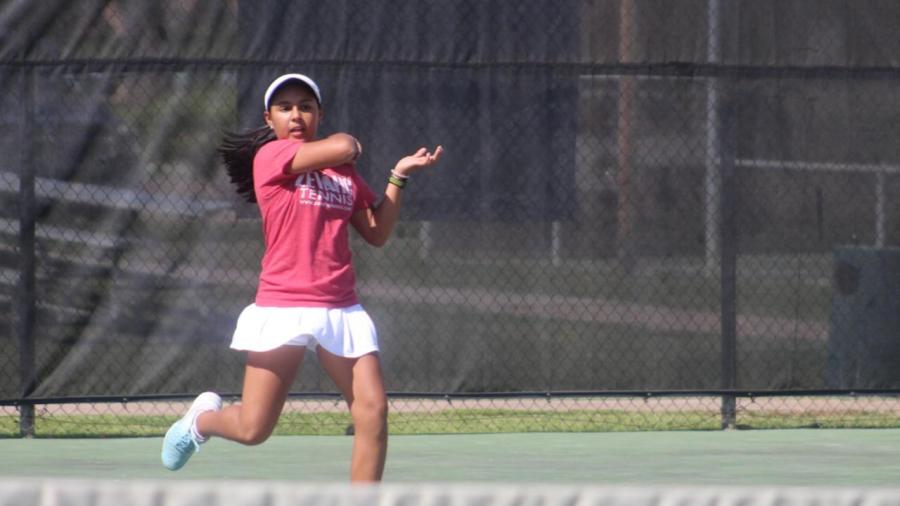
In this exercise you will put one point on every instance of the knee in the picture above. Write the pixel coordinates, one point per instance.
(370, 414)
(255, 433)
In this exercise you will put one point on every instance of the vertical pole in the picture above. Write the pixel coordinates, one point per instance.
(719, 203)
(556, 242)
(711, 177)
(880, 182)
(624, 213)
(25, 295)
(728, 231)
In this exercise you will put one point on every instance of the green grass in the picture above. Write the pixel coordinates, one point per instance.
(506, 420)
(463, 421)
(671, 283)
(854, 420)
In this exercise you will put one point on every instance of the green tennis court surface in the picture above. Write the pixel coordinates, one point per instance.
(787, 457)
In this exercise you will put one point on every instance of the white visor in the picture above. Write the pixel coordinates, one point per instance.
(290, 77)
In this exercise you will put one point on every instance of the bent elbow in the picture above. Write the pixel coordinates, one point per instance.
(378, 241)
(375, 238)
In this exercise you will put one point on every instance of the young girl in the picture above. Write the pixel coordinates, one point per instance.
(308, 191)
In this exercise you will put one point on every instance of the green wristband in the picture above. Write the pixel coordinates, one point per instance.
(396, 181)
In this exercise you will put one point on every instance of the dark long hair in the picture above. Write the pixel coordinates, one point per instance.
(237, 151)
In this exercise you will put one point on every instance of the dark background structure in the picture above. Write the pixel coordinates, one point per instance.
(696, 197)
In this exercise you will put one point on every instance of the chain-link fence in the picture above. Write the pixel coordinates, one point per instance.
(650, 214)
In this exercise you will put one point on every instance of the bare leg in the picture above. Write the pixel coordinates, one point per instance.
(267, 379)
(362, 384)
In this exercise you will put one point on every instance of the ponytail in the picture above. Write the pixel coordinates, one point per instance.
(237, 151)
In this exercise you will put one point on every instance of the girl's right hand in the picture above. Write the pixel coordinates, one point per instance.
(358, 150)
(352, 143)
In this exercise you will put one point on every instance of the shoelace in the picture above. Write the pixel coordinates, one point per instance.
(184, 444)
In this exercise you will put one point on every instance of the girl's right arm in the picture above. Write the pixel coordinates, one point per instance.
(336, 149)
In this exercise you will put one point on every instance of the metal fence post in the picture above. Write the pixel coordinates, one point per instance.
(624, 130)
(25, 304)
(728, 265)
(711, 179)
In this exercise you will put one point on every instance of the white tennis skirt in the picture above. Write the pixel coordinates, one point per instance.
(347, 332)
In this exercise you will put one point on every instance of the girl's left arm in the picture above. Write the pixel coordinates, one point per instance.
(375, 224)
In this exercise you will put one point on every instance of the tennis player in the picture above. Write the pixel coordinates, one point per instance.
(308, 191)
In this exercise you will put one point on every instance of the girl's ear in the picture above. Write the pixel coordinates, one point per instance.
(268, 119)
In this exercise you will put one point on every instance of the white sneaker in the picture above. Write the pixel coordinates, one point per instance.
(180, 442)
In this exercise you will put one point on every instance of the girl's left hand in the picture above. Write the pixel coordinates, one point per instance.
(417, 161)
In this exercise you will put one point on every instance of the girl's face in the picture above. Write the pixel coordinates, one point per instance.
(294, 113)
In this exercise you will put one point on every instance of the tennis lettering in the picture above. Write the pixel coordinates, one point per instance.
(318, 189)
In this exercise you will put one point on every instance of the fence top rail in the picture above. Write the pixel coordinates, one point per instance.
(818, 166)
